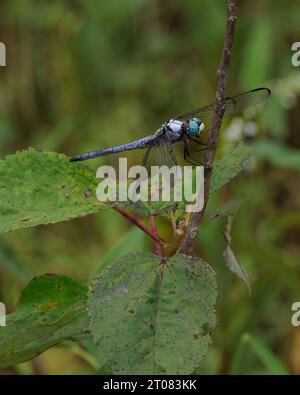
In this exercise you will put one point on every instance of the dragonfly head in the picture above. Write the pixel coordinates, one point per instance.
(195, 127)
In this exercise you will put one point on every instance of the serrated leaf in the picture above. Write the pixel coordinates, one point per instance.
(44, 187)
(164, 203)
(153, 318)
(144, 208)
(51, 309)
(230, 164)
(147, 208)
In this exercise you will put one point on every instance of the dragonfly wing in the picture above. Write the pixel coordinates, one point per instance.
(165, 153)
(152, 147)
(233, 105)
(240, 102)
(160, 151)
(147, 154)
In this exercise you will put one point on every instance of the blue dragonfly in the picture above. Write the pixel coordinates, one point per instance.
(186, 128)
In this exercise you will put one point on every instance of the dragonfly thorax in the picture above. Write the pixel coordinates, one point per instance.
(175, 129)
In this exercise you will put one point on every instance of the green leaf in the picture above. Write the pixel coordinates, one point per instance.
(278, 154)
(224, 170)
(270, 361)
(153, 318)
(226, 210)
(164, 207)
(44, 187)
(231, 163)
(51, 309)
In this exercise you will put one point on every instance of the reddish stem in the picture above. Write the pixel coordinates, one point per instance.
(158, 247)
(140, 225)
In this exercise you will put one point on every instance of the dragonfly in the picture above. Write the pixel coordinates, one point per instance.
(186, 128)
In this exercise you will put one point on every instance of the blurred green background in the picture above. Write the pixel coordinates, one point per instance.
(86, 74)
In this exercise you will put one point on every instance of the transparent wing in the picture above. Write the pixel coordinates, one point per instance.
(165, 152)
(160, 152)
(233, 105)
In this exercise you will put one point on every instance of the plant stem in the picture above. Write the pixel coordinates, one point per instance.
(191, 234)
(154, 232)
(139, 224)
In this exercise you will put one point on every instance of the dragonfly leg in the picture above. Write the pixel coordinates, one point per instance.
(199, 150)
(200, 143)
(188, 158)
(197, 141)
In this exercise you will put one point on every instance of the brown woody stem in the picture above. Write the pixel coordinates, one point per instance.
(190, 237)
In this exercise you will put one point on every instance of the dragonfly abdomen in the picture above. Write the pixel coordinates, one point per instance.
(140, 143)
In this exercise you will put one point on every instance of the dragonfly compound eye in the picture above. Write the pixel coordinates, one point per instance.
(195, 127)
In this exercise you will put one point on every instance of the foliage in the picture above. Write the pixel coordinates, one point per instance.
(143, 312)
(41, 188)
(93, 74)
(162, 314)
(51, 309)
